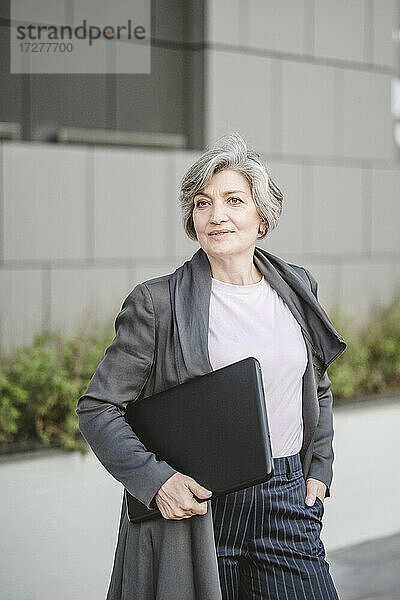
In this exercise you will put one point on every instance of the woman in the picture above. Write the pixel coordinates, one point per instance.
(229, 301)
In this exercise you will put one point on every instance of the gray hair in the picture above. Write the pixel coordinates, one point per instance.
(230, 152)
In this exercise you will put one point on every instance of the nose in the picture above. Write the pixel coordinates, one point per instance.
(218, 214)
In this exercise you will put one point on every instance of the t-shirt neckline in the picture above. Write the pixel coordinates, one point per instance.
(232, 288)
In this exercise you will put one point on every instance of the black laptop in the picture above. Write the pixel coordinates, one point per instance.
(213, 428)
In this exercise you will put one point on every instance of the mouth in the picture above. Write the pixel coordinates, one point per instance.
(220, 234)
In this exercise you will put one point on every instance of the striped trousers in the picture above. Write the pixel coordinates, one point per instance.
(268, 540)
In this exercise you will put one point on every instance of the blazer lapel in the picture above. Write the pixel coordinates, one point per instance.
(190, 288)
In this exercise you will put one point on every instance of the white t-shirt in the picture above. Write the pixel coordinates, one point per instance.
(253, 320)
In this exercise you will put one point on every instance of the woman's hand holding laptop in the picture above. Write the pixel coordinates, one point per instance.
(176, 497)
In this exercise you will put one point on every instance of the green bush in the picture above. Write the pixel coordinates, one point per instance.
(40, 384)
(371, 362)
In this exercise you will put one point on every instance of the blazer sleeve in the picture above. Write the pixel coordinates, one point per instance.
(118, 380)
(323, 455)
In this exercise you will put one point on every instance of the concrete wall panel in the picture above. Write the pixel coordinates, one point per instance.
(367, 120)
(277, 26)
(131, 187)
(386, 19)
(86, 296)
(288, 236)
(365, 285)
(240, 97)
(339, 29)
(45, 191)
(223, 22)
(22, 305)
(385, 210)
(308, 109)
(336, 210)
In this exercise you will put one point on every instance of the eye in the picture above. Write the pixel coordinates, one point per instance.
(239, 200)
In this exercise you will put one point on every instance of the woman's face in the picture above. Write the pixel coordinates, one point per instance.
(226, 203)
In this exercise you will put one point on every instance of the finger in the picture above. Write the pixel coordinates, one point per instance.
(197, 489)
(201, 509)
(187, 516)
(310, 498)
(195, 508)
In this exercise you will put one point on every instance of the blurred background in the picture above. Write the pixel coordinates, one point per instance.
(90, 166)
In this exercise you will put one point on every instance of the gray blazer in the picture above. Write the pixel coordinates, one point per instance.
(162, 340)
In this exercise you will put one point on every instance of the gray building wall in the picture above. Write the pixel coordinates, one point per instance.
(308, 85)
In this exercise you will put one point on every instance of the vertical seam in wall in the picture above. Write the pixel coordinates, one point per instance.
(205, 75)
(366, 193)
(338, 278)
(312, 207)
(338, 117)
(276, 93)
(309, 28)
(188, 60)
(170, 201)
(46, 296)
(89, 204)
(369, 17)
(244, 24)
(207, 90)
(307, 217)
(153, 21)
(194, 75)
(1, 203)
(176, 204)
(69, 11)
(111, 94)
(26, 104)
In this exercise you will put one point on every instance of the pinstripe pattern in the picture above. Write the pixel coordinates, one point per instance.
(268, 540)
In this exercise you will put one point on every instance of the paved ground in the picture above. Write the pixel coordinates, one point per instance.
(368, 571)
